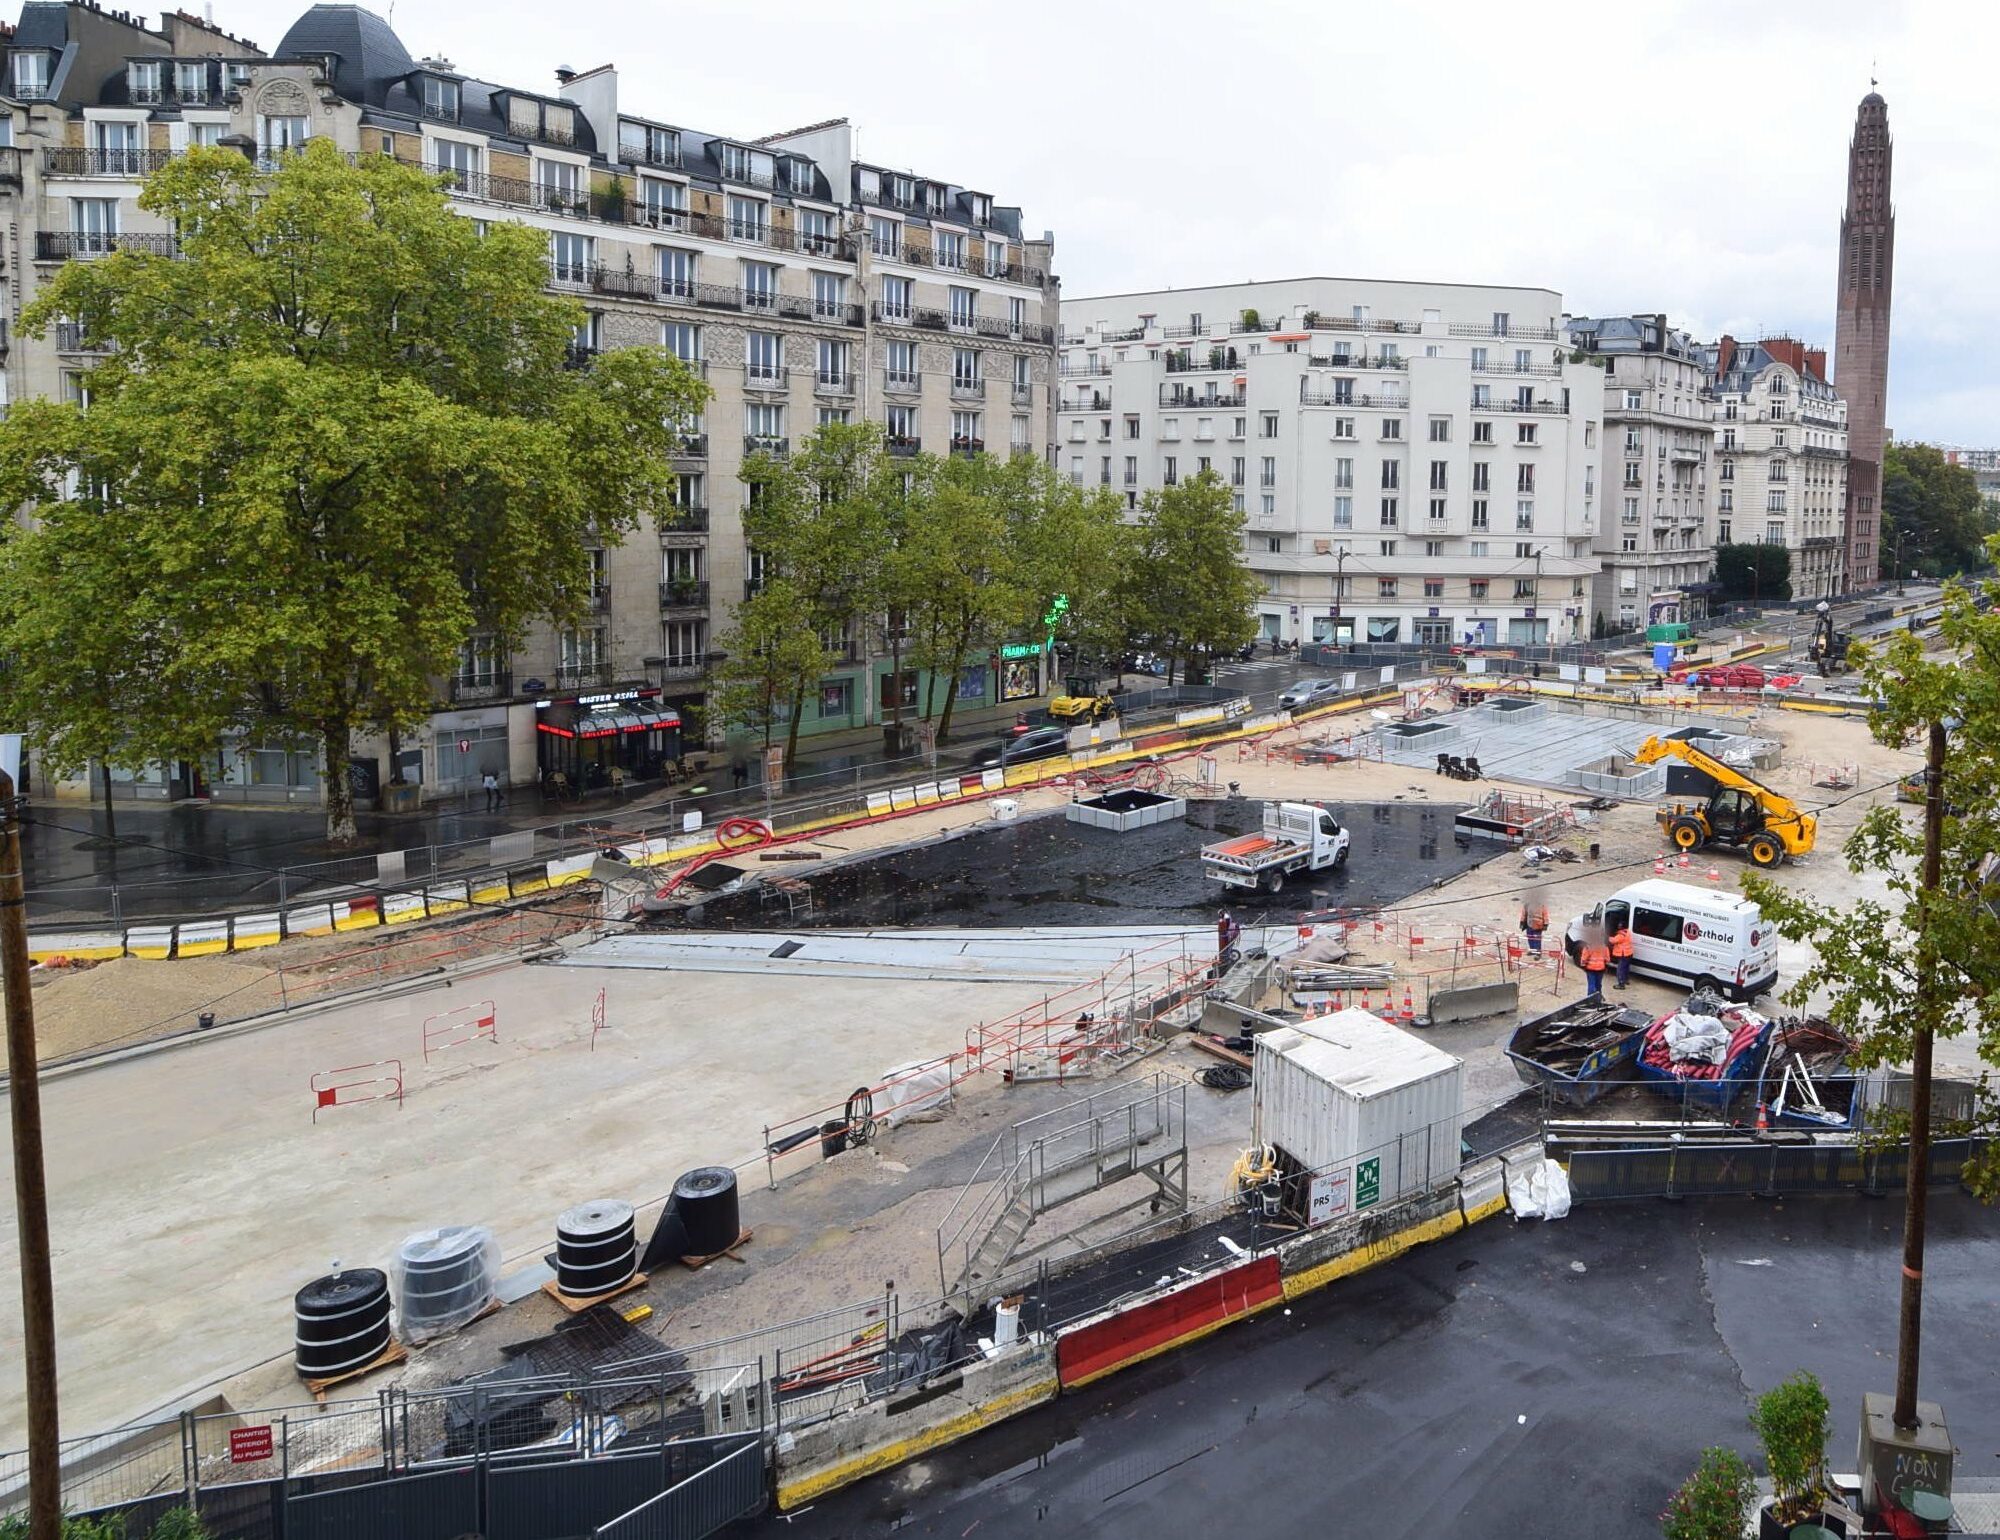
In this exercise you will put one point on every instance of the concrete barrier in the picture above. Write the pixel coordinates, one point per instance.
(570, 869)
(1158, 1323)
(97, 945)
(447, 897)
(401, 908)
(251, 931)
(1473, 1002)
(1319, 1257)
(814, 1461)
(202, 938)
(309, 920)
(153, 942)
(1482, 1190)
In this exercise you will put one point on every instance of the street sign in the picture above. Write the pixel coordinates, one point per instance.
(1368, 1183)
(774, 770)
(248, 1445)
(1326, 1198)
(465, 745)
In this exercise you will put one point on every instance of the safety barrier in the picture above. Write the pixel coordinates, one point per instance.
(1159, 1323)
(381, 1079)
(460, 1025)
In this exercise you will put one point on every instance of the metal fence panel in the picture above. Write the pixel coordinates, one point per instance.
(440, 1505)
(533, 1502)
(693, 1509)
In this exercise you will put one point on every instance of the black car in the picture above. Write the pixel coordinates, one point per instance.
(1035, 743)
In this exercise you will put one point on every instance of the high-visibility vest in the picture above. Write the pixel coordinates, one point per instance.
(1621, 944)
(1537, 919)
(1595, 958)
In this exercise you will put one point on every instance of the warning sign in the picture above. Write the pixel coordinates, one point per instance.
(247, 1445)
(1326, 1198)
(1368, 1183)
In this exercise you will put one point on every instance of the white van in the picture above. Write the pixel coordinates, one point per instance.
(1693, 936)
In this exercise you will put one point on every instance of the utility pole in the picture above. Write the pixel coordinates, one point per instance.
(1917, 1190)
(31, 1197)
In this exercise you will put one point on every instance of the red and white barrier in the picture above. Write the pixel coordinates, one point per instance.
(379, 1081)
(460, 1025)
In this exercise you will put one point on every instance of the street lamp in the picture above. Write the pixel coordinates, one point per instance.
(1339, 586)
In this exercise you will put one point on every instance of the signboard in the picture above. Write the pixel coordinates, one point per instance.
(1347, 681)
(1326, 1197)
(1020, 650)
(248, 1445)
(1368, 1183)
(1569, 671)
(1389, 674)
(465, 745)
(1475, 665)
(774, 769)
(1593, 676)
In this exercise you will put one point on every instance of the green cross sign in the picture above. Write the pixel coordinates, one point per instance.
(1368, 1183)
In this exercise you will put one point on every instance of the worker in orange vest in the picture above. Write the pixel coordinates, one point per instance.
(1621, 953)
(1534, 920)
(1595, 957)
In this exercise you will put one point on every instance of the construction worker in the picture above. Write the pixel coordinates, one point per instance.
(1534, 920)
(1621, 952)
(1595, 957)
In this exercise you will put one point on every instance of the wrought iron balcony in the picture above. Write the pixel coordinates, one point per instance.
(685, 521)
(766, 376)
(1365, 361)
(903, 444)
(72, 160)
(1084, 371)
(902, 382)
(968, 390)
(693, 446)
(1023, 395)
(1100, 402)
(70, 338)
(1188, 398)
(1509, 333)
(833, 382)
(484, 684)
(1191, 361)
(968, 447)
(766, 443)
(684, 594)
(1340, 398)
(582, 676)
(61, 245)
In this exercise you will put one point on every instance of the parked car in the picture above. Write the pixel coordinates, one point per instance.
(1726, 676)
(1308, 692)
(1035, 743)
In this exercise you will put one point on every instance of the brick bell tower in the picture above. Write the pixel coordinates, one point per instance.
(1861, 332)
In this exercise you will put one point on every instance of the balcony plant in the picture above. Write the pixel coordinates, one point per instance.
(610, 200)
(1252, 321)
(1714, 1501)
(1791, 1423)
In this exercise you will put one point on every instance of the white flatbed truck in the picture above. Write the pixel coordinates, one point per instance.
(1297, 837)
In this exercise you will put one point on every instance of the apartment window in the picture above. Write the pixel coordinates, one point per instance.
(689, 490)
(1479, 359)
(902, 368)
(1075, 466)
(1524, 433)
(1635, 400)
(1131, 427)
(1433, 588)
(1777, 438)
(1267, 425)
(1343, 473)
(831, 361)
(1392, 473)
(1476, 548)
(1437, 508)
(828, 416)
(964, 311)
(1440, 430)
(31, 75)
(1524, 478)
(818, 232)
(1522, 361)
(1343, 427)
(1774, 501)
(1590, 435)
(1268, 472)
(1204, 465)
(1274, 543)
(902, 425)
(1774, 533)
(569, 257)
(1722, 532)
(948, 250)
(965, 368)
(1482, 395)
(1131, 470)
(1524, 588)
(1433, 548)
(1024, 378)
(967, 431)
(1392, 427)
(1726, 502)
(1017, 315)
(1343, 513)
(760, 286)
(1481, 475)
(896, 298)
(1632, 443)
(440, 98)
(1022, 436)
(1391, 514)
(1439, 471)
(1499, 323)
(208, 134)
(1236, 471)
(749, 219)
(682, 339)
(579, 652)
(1204, 428)
(1482, 433)
(1479, 586)
(1524, 550)
(1385, 588)
(191, 82)
(764, 355)
(676, 271)
(1479, 513)
(1524, 515)
(1270, 503)
(1171, 475)
(829, 296)
(1236, 429)
(276, 134)
(1728, 471)
(1629, 543)
(1103, 429)
(764, 419)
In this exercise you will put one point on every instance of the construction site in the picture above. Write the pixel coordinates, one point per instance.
(839, 1144)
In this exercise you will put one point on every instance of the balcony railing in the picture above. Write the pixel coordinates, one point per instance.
(71, 160)
(833, 382)
(903, 444)
(684, 594)
(1341, 361)
(1508, 332)
(1545, 408)
(1318, 322)
(579, 355)
(70, 338)
(968, 390)
(676, 667)
(1355, 398)
(685, 521)
(1123, 334)
(1185, 362)
(604, 207)
(766, 376)
(1095, 403)
(1189, 399)
(968, 447)
(1023, 395)
(1496, 366)
(693, 446)
(711, 296)
(903, 383)
(1083, 371)
(766, 443)
(485, 684)
(61, 245)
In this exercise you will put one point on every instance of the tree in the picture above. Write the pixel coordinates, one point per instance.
(1924, 962)
(771, 657)
(336, 436)
(1185, 589)
(1754, 571)
(1933, 519)
(1714, 1501)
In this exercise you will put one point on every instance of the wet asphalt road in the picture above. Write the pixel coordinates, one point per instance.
(1484, 1385)
(1048, 871)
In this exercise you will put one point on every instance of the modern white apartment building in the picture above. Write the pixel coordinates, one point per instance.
(1656, 541)
(1781, 457)
(1416, 462)
(807, 284)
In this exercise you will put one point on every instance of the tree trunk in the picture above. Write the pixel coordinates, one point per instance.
(340, 828)
(951, 695)
(395, 755)
(110, 813)
(930, 693)
(792, 732)
(893, 733)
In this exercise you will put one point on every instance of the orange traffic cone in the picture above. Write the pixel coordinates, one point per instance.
(1714, 874)
(1660, 864)
(1336, 1001)
(1408, 1012)
(1686, 860)
(1364, 1001)
(1763, 1122)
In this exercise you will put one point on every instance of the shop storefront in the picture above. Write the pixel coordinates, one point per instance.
(584, 738)
(1018, 667)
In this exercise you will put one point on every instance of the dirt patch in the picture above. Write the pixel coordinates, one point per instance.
(130, 1000)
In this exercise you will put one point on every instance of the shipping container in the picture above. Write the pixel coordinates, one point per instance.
(1350, 1095)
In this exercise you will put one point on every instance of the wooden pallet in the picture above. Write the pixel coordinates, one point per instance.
(394, 1353)
(491, 1307)
(576, 1305)
(1213, 1046)
(727, 1251)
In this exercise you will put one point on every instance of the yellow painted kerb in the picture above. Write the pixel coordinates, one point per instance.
(1368, 1256)
(894, 1453)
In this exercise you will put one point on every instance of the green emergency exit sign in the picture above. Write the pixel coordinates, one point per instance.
(1368, 1183)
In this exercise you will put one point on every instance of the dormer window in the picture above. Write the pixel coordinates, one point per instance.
(748, 166)
(31, 74)
(191, 82)
(981, 206)
(642, 144)
(440, 98)
(934, 198)
(143, 78)
(899, 190)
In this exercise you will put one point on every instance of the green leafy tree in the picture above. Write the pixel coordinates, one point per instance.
(1185, 589)
(771, 657)
(1934, 522)
(336, 436)
(1754, 571)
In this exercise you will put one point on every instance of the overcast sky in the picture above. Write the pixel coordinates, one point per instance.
(1686, 157)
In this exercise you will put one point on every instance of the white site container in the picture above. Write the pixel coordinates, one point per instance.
(1340, 1092)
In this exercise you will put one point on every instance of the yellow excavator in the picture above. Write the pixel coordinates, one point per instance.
(1744, 814)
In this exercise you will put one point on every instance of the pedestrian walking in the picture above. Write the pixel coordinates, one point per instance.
(1534, 920)
(740, 773)
(1621, 952)
(1595, 957)
(492, 784)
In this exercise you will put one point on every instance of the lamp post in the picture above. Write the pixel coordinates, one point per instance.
(1339, 587)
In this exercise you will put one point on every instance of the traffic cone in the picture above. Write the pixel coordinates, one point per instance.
(1714, 874)
(1686, 860)
(1763, 1122)
(1336, 1001)
(1408, 1012)
(1364, 1001)
(1660, 864)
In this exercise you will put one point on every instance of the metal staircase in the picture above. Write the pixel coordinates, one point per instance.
(1047, 1161)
